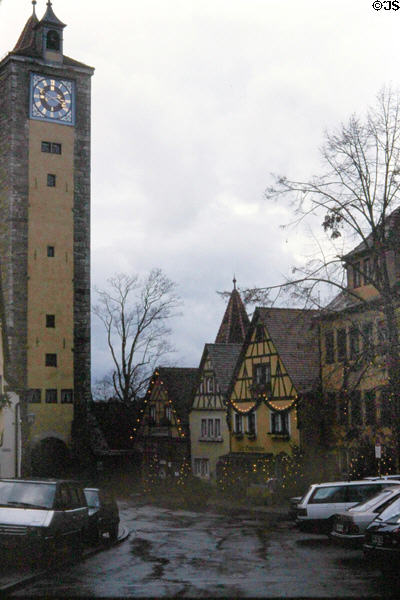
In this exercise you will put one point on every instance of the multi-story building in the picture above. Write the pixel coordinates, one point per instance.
(45, 232)
(209, 433)
(278, 368)
(360, 411)
(162, 435)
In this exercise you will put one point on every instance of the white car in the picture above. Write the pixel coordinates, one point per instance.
(322, 501)
(349, 526)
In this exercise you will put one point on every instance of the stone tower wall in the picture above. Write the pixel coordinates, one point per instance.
(14, 100)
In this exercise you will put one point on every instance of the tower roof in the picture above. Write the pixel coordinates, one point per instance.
(235, 323)
(27, 44)
(26, 40)
(50, 18)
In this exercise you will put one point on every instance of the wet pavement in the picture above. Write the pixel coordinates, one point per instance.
(208, 554)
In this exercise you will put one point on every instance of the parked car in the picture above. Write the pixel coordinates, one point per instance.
(40, 517)
(349, 526)
(382, 539)
(322, 501)
(103, 515)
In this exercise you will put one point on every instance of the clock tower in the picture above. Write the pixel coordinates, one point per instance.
(45, 235)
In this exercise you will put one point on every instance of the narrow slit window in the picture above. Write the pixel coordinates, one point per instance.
(50, 320)
(51, 180)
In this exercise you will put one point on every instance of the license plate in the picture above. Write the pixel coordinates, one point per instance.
(339, 527)
(377, 540)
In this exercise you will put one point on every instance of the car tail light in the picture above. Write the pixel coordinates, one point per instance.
(302, 512)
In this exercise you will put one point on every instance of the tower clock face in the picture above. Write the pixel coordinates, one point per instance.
(52, 99)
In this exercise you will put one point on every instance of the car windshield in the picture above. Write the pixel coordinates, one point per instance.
(394, 519)
(92, 498)
(27, 494)
(390, 510)
(372, 502)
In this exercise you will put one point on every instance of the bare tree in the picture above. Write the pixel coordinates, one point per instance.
(357, 200)
(135, 312)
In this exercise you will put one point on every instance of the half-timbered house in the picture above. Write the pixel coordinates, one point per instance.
(163, 433)
(278, 365)
(209, 433)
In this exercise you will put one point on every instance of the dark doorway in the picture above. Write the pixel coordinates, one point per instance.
(50, 458)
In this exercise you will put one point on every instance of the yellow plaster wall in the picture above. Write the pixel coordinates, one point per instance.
(263, 352)
(265, 442)
(210, 450)
(50, 280)
(332, 374)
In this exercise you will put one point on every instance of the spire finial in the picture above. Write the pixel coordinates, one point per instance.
(34, 6)
(234, 281)
(48, 3)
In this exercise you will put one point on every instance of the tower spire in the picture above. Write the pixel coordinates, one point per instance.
(235, 322)
(34, 7)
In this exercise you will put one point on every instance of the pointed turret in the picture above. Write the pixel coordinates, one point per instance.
(50, 30)
(235, 323)
(50, 18)
(26, 41)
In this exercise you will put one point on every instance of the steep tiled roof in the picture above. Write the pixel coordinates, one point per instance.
(235, 323)
(223, 358)
(26, 40)
(181, 384)
(295, 337)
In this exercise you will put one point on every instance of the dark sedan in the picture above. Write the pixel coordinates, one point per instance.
(103, 515)
(382, 543)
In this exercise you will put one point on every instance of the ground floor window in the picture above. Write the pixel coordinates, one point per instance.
(280, 422)
(201, 467)
(238, 423)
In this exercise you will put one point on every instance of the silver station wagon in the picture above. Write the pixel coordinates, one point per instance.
(42, 516)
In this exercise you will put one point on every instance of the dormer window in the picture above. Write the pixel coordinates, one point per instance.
(53, 40)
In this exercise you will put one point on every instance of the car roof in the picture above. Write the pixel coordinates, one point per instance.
(358, 482)
(41, 480)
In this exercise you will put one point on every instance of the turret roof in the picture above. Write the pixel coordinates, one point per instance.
(235, 322)
(50, 18)
(26, 40)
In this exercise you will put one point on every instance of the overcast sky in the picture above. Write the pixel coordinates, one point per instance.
(195, 103)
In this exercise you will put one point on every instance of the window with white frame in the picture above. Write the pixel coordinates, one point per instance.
(210, 385)
(168, 413)
(210, 428)
(201, 467)
(262, 376)
(251, 423)
(238, 426)
(280, 422)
